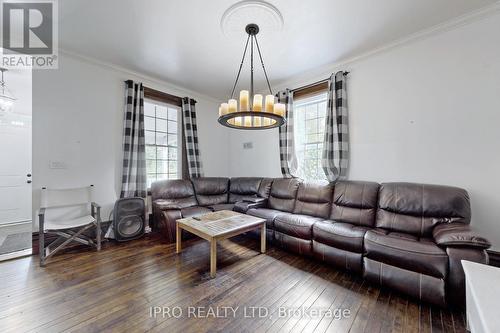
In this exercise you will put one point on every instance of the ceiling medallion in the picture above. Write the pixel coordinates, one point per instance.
(253, 115)
(262, 13)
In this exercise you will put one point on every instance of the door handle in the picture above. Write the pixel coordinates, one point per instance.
(28, 175)
(28, 181)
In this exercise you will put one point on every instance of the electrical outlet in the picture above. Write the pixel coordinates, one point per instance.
(248, 145)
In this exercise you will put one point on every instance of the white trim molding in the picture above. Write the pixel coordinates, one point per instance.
(449, 25)
(152, 79)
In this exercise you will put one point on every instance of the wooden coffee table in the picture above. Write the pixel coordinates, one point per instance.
(218, 226)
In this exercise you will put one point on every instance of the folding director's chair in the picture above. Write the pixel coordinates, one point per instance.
(67, 213)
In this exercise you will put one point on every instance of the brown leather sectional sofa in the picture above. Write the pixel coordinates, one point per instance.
(409, 237)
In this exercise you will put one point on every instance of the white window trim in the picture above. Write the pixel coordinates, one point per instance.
(303, 103)
(179, 136)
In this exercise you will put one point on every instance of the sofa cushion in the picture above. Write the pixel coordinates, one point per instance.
(220, 207)
(240, 187)
(406, 251)
(265, 213)
(417, 208)
(265, 187)
(313, 198)
(283, 193)
(178, 192)
(194, 211)
(340, 235)
(299, 226)
(211, 190)
(355, 202)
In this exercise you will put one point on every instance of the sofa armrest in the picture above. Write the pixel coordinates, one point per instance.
(244, 206)
(458, 235)
(164, 204)
(254, 199)
(455, 286)
(164, 222)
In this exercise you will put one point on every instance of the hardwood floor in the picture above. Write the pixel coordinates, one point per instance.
(115, 290)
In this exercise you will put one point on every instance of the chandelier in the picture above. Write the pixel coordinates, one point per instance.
(255, 112)
(6, 98)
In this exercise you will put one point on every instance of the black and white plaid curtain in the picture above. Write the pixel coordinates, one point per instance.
(195, 166)
(134, 151)
(335, 160)
(288, 158)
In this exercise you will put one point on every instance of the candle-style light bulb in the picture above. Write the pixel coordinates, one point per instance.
(224, 108)
(244, 104)
(279, 109)
(233, 105)
(257, 103)
(270, 103)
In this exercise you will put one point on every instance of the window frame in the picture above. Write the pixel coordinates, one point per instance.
(303, 98)
(156, 145)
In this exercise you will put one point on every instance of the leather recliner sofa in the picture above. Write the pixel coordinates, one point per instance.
(408, 237)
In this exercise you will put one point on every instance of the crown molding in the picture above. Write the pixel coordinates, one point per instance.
(119, 69)
(325, 70)
(455, 23)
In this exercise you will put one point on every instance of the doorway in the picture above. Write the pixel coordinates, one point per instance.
(15, 168)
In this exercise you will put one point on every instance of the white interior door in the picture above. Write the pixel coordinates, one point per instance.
(15, 183)
(15, 169)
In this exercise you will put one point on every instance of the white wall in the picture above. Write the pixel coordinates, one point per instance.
(426, 111)
(78, 120)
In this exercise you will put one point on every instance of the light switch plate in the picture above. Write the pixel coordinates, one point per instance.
(57, 165)
(247, 145)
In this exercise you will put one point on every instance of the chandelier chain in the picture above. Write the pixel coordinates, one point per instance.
(251, 70)
(263, 67)
(241, 66)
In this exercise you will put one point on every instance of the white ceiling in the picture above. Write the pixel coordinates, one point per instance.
(180, 41)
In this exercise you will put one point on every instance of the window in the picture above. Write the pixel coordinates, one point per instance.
(309, 122)
(163, 145)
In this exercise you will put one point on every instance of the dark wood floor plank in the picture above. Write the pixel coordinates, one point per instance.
(183, 273)
(112, 291)
(346, 284)
(378, 313)
(370, 294)
(425, 318)
(232, 289)
(412, 311)
(324, 302)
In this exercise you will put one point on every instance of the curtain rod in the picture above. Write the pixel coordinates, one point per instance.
(163, 95)
(315, 83)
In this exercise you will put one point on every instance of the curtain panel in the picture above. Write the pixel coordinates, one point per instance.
(193, 154)
(335, 158)
(288, 157)
(134, 146)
